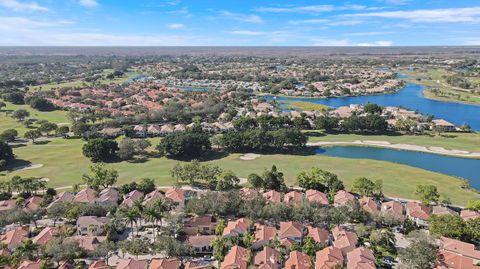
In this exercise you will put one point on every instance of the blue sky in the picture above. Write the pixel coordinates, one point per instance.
(239, 23)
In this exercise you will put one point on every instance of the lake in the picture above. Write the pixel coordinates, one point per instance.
(186, 88)
(453, 166)
(410, 97)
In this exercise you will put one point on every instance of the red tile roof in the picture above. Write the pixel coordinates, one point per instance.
(328, 258)
(164, 264)
(236, 258)
(298, 260)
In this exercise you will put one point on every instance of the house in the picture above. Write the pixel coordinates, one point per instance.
(108, 196)
(319, 235)
(152, 197)
(293, 230)
(469, 214)
(88, 243)
(140, 130)
(164, 264)
(132, 264)
(235, 259)
(443, 210)
(272, 196)
(111, 132)
(85, 196)
(91, 225)
(418, 213)
(7, 205)
(298, 260)
(101, 264)
(201, 243)
(263, 235)
(65, 265)
(444, 125)
(249, 192)
(268, 258)
(46, 235)
(394, 208)
(130, 198)
(237, 227)
(344, 240)
(197, 265)
(176, 195)
(62, 198)
(32, 204)
(369, 205)
(329, 258)
(31, 265)
(293, 197)
(14, 238)
(361, 258)
(315, 196)
(342, 198)
(199, 225)
(457, 254)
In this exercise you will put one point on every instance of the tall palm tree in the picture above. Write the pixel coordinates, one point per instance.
(28, 249)
(152, 215)
(132, 216)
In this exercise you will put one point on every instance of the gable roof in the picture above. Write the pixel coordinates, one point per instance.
(469, 214)
(14, 237)
(459, 247)
(298, 260)
(108, 195)
(264, 232)
(130, 198)
(46, 235)
(317, 197)
(361, 258)
(98, 265)
(418, 210)
(320, 235)
(267, 258)
(239, 226)
(151, 197)
(368, 204)
(199, 241)
(175, 194)
(290, 229)
(85, 196)
(164, 264)
(343, 197)
(132, 264)
(236, 258)
(30, 265)
(272, 196)
(293, 197)
(343, 239)
(328, 258)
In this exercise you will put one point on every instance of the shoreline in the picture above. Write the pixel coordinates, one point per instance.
(407, 147)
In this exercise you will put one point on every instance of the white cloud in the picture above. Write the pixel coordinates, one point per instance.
(376, 44)
(397, 2)
(452, 15)
(368, 33)
(175, 26)
(309, 21)
(241, 17)
(472, 42)
(247, 32)
(331, 42)
(297, 9)
(19, 6)
(88, 3)
(21, 24)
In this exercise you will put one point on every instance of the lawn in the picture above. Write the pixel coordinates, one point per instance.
(64, 165)
(460, 141)
(294, 105)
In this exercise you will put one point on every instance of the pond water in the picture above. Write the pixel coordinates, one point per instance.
(186, 88)
(410, 97)
(453, 166)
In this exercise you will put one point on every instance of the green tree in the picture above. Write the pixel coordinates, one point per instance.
(421, 253)
(427, 194)
(8, 135)
(100, 149)
(372, 108)
(100, 176)
(62, 130)
(326, 123)
(366, 187)
(32, 135)
(447, 225)
(80, 128)
(62, 250)
(474, 205)
(47, 127)
(188, 144)
(20, 114)
(255, 180)
(273, 179)
(227, 180)
(6, 154)
(219, 248)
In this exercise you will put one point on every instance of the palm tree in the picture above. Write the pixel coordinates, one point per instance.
(28, 249)
(151, 215)
(132, 216)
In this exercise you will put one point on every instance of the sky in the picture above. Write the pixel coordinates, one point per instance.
(239, 23)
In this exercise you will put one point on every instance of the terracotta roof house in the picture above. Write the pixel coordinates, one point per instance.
(176, 195)
(197, 265)
(199, 225)
(393, 207)
(298, 260)
(315, 196)
(319, 235)
(248, 192)
(459, 248)
(46, 235)
(130, 198)
(14, 238)
(263, 235)
(369, 205)
(32, 204)
(132, 264)
(328, 258)
(108, 196)
(448, 260)
(293, 197)
(287, 242)
(237, 227)
(272, 196)
(91, 225)
(31, 265)
(267, 259)
(152, 197)
(201, 243)
(291, 229)
(469, 214)
(85, 196)
(65, 265)
(235, 259)
(7, 205)
(88, 243)
(61, 198)
(361, 258)
(164, 264)
(342, 198)
(344, 240)
(98, 265)
(443, 210)
(418, 213)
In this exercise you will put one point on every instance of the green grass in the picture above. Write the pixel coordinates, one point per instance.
(461, 141)
(64, 165)
(81, 83)
(304, 106)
